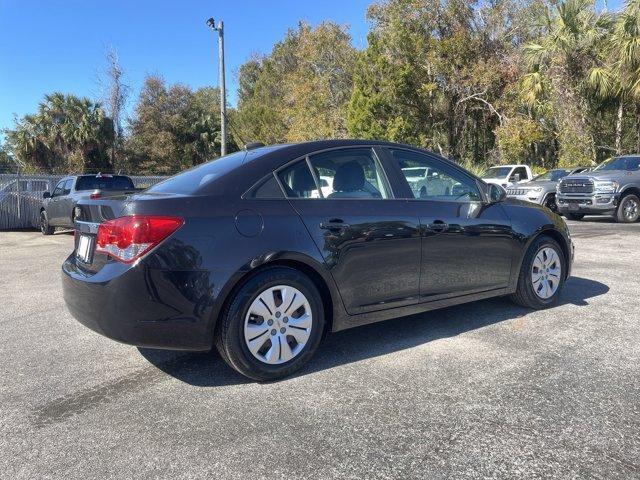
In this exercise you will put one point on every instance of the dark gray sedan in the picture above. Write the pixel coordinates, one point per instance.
(58, 207)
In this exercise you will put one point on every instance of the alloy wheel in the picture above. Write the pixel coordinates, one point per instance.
(546, 272)
(631, 209)
(278, 324)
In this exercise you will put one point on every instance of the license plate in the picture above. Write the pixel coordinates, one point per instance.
(574, 206)
(83, 252)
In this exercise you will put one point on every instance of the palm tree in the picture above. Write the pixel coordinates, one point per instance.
(571, 31)
(618, 77)
(68, 133)
(626, 43)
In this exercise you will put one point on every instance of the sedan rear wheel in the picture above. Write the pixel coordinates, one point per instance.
(278, 324)
(273, 324)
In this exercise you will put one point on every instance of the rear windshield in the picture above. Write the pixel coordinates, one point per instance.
(115, 182)
(191, 180)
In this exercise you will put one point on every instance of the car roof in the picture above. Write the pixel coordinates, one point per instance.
(261, 161)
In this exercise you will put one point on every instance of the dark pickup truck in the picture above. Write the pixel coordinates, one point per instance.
(58, 207)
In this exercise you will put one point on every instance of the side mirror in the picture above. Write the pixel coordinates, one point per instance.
(496, 193)
(46, 195)
(515, 178)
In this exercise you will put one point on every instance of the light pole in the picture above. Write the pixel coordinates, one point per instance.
(223, 92)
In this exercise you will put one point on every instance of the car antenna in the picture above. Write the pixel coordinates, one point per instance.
(253, 145)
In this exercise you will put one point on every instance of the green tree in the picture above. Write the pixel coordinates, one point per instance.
(435, 74)
(66, 134)
(174, 128)
(571, 33)
(300, 90)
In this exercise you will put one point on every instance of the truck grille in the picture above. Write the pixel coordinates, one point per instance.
(576, 185)
(516, 191)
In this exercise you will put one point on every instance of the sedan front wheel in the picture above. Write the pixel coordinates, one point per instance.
(542, 275)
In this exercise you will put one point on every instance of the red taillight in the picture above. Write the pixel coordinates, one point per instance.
(128, 238)
(95, 195)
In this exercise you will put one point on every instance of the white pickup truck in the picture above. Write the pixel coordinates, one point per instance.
(507, 175)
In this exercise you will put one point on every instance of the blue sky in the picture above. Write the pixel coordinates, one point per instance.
(59, 45)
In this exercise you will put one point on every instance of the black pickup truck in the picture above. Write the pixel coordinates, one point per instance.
(58, 207)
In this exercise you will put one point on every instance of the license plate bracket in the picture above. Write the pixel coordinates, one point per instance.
(83, 250)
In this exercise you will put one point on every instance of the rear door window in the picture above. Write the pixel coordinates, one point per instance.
(349, 173)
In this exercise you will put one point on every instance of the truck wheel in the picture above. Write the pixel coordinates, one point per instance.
(45, 228)
(542, 275)
(575, 216)
(550, 203)
(629, 209)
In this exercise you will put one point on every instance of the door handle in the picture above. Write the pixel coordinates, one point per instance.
(334, 224)
(438, 226)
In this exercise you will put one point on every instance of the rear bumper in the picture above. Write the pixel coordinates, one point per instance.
(140, 305)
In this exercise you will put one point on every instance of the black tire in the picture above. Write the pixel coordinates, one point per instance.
(629, 209)
(550, 203)
(45, 228)
(229, 338)
(575, 216)
(525, 294)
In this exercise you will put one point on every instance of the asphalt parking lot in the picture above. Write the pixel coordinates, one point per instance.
(483, 390)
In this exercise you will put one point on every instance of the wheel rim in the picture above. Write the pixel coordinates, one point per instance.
(551, 205)
(278, 324)
(546, 273)
(631, 209)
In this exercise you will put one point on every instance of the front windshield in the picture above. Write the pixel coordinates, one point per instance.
(620, 163)
(496, 172)
(551, 175)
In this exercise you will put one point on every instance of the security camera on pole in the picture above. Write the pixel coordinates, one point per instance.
(223, 93)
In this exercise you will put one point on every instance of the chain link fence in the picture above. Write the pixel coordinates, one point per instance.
(21, 197)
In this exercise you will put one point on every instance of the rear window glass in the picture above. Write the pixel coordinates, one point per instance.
(191, 180)
(115, 182)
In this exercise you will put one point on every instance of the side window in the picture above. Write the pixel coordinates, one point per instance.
(59, 189)
(298, 181)
(430, 179)
(269, 188)
(350, 173)
(67, 187)
(521, 171)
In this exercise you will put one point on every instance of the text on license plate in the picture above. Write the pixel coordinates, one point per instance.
(84, 248)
